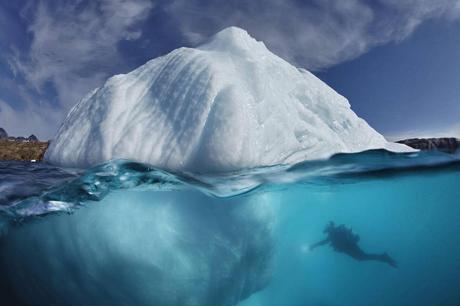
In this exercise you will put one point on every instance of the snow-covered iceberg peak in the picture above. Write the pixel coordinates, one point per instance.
(225, 105)
(234, 39)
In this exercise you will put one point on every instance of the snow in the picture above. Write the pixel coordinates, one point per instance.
(226, 105)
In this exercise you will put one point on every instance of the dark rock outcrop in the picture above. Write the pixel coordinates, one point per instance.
(3, 134)
(441, 144)
(32, 138)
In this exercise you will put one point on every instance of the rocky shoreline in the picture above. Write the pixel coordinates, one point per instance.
(21, 148)
(23, 151)
(445, 144)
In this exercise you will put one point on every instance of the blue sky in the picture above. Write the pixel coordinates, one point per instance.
(397, 61)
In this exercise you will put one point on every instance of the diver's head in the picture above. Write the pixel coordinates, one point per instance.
(329, 227)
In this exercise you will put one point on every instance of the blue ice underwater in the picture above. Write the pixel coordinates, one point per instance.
(128, 234)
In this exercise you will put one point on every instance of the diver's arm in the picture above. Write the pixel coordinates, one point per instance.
(320, 243)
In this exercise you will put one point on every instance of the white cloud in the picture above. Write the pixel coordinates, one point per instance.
(74, 48)
(74, 43)
(319, 34)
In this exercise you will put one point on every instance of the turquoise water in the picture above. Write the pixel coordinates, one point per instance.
(128, 234)
(415, 218)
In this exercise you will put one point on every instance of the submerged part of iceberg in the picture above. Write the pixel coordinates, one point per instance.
(141, 248)
(226, 105)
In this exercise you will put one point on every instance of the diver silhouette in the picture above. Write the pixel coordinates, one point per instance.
(343, 240)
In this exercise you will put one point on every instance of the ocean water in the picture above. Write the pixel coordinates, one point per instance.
(125, 233)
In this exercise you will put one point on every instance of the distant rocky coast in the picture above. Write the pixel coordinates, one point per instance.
(21, 148)
(445, 144)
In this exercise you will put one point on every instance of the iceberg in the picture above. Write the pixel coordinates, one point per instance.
(142, 248)
(226, 105)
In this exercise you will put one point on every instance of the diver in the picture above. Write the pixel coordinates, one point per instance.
(343, 240)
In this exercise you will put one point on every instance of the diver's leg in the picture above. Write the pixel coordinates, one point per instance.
(358, 254)
(388, 259)
(379, 257)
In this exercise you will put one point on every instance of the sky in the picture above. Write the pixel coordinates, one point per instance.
(397, 61)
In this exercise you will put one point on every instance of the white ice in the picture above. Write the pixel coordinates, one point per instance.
(225, 105)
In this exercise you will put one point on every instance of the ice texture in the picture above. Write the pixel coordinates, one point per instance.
(228, 104)
(143, 248)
